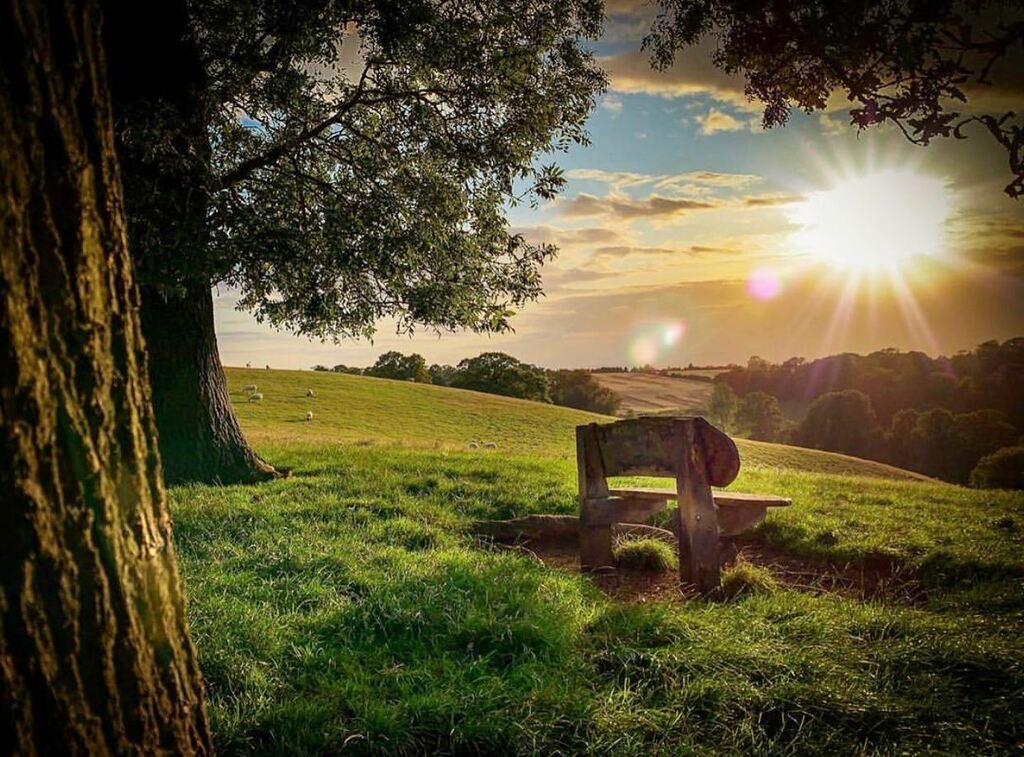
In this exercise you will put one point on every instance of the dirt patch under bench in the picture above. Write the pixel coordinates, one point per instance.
(876, 578)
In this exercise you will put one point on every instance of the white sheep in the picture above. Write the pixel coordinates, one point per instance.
(256, 397)
(474, 445)
(268, 366)
(309, 415)
(248, 365)
(490, 445)
(249, 388)
(309, 393)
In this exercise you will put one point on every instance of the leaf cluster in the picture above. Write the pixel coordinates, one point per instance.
(916, 64)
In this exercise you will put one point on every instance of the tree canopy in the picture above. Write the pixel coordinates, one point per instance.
(361, 156)
(498, 373)
(335, 163)
(395, 365)
(760, 416)
(918, 64)
(579, 389)
(841, 422)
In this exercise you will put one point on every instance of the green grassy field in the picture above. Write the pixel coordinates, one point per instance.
(346, 609)
(362, 410)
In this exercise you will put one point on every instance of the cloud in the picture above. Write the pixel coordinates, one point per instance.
(692, 74)
(658, 207)
(832, 125)
(623, 251)
(628, 20)
(616, 179)
(586, 205)
(771, 200)
(688, 183)
(545, 234)
(611, 103)
(717, 120)
(710, 178)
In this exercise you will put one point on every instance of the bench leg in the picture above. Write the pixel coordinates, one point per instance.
(596, 547)
(699, 559)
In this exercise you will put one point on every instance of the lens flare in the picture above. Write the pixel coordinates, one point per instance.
(764, 284)
(652, 341)
(672, 333)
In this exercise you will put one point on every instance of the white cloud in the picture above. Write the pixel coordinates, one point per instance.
(716, 120)
(833, 126)
(692, 74)
(611, 103)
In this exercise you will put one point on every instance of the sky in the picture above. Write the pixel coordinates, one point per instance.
(689, 234)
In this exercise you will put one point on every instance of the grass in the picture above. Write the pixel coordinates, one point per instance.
(646, 554)
(365, 411)
(746, 579)
(345, 609)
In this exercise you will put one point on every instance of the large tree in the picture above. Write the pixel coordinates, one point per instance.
(95, 656)
(334, 163)
(925, 66)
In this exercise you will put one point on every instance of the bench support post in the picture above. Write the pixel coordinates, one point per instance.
(595, 539)
(697, 519)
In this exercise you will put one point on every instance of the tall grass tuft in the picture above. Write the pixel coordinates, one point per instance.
(745, 579)
(646, 554)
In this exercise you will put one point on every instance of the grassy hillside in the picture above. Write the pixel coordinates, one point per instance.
(347, 609)
(362, 410)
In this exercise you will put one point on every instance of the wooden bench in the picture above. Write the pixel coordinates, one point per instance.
(690, 450)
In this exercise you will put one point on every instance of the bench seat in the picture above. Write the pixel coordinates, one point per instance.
(737, 511)
(722, 499)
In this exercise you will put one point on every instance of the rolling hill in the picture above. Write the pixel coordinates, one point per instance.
(360, 409)
(653, 393)
(348, 608)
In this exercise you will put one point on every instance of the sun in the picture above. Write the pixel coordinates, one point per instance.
(876, 222)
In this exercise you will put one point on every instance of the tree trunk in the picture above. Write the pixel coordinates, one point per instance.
(159, 95)
(95, 655)
(200, 439)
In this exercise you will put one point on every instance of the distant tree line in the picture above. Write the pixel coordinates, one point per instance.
(496, 373)
(958, 418)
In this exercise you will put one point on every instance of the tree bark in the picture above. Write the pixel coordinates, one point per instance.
(95, 655)
(200, 439)
(159, 95)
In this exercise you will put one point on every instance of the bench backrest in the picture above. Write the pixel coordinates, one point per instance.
(652, 447)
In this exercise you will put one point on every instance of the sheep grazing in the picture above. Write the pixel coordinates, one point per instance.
(256, 397)
(268, 367)
(309, 415)
(249, 388)
(474, 445)
(248, 365)
(490, 445)
(309, 393)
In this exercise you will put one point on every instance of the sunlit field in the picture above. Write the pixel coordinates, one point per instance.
(347, 608)
(360, 410)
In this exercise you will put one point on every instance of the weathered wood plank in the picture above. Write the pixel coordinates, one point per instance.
(739, 499)
(698, 519)
(608, 510)
(595, 540)
(722, 499)
(596, 547)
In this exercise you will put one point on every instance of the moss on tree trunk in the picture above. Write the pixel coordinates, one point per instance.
(95, 655)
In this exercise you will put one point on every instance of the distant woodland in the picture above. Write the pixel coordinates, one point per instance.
(940, 416)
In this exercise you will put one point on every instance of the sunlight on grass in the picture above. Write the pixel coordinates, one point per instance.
(347, 608)
(347, 605)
